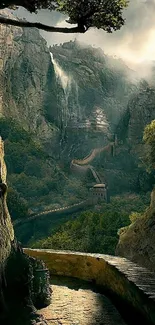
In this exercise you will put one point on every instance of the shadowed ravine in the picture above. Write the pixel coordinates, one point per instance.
(81, 165)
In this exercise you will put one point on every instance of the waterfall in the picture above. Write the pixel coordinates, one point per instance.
(61, 75)
(71, 109)
(65, 82)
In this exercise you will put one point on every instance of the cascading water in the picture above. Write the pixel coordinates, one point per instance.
(71, 109)
(65, 82)
(64, 79)
(72, 115)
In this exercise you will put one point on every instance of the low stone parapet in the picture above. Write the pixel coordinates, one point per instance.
(132, 284)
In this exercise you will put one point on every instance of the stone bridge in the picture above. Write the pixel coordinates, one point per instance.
(130, 287)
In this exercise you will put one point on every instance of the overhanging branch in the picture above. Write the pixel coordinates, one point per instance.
(21, 23)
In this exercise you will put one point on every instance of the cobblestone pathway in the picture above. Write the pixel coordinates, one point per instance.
(80, 307)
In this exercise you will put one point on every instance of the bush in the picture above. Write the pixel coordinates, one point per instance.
(134, 216)
(90, 232)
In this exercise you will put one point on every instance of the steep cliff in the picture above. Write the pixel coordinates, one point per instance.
(137, 241)
(75, 103)
(96, 81)
(69, 111)
(6, 228)
(24, 70)
(140, 112)
(103, 97)
(61, 106)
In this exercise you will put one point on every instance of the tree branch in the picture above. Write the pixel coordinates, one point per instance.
(22, 23)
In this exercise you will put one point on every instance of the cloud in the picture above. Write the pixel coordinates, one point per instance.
(135, 42)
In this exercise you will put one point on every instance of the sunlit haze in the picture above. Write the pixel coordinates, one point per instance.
(134, 43)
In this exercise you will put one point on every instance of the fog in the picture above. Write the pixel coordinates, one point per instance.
(134, 43)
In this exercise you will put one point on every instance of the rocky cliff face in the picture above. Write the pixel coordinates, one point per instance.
(98, 87)
(24, 70)
(137, 242)
(72, 104)
(6, 228)
(103, 97)
(140, 112)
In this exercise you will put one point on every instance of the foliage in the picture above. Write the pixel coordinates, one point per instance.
(28, 167)
(11, 130)
(134, 216)
(149, 138)
(33, 177)
(99, 13)
(18, 207)
(93, 231)
(103, 14)
(90, 232)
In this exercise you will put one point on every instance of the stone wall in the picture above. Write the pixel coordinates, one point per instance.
(125, 280)
(56, 212)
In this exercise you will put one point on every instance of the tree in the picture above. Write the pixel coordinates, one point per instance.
(18, 207)
(149, 139)
(102, 14)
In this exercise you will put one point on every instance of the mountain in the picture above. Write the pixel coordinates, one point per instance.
(58, 104)
(25, 66)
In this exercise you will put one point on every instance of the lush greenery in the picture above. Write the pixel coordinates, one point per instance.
(106, 15)
(18, 207)
(149, 138)
(94, 231)
(101, 14)
(28, 167)
(34, 179)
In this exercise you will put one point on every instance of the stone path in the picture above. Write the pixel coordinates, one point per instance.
(80, 306)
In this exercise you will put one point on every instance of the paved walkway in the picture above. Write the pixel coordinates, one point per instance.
(80, 306)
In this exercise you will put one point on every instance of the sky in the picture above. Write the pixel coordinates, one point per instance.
(134, 43)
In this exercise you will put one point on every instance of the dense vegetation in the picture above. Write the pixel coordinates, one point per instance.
(40, 181)
(28, 168)
(149, 138)
(96, 231)
(34, 179)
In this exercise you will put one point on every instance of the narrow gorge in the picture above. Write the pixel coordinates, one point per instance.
(72, 119)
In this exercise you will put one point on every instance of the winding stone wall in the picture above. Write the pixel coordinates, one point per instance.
(132, 284)
(60, 211)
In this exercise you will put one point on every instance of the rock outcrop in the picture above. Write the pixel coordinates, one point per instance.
(25, 67)
(137, 242)
(6, 227)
